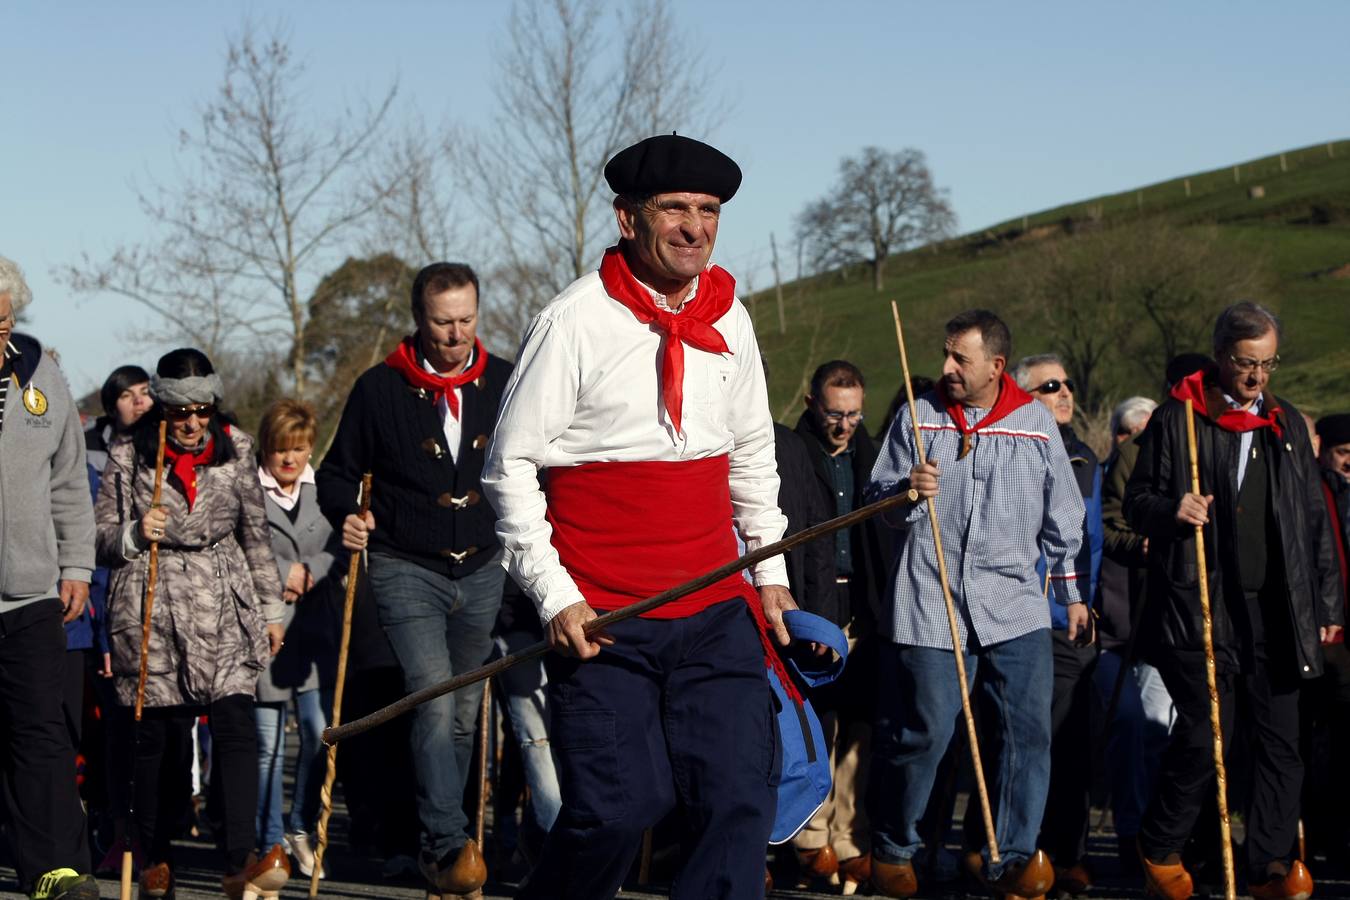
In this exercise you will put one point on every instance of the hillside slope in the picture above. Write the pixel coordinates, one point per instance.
(1301, 226)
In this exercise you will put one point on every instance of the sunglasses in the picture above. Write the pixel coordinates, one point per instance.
(200, 410)
(1053, 385)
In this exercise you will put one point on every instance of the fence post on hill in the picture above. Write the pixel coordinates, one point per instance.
(1237, 176)
(778, 286)
(1188, 187)
(1284, 165)
(1139, 200)
(1331, 149)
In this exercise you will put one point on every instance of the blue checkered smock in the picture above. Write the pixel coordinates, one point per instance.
(1012, 496)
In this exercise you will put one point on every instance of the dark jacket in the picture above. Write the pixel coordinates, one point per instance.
(871, 551)
(393, 430)
(1121, 589)
(1088, 565)
(810, 566)
(1304, 553)
(1336, 491)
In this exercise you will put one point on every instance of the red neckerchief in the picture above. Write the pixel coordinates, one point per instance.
(1196, 387)
(404, 360)
(693, 326)
(183, 465)
(1010, 397)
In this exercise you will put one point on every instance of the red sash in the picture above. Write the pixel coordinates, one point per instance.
(626, 531)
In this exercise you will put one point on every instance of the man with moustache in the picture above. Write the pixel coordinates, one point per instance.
(635, 444)
(1065, 826)
(1272, 592)
(419, 422)
(1005, 494)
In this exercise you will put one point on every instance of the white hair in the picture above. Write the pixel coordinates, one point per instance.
(1021, 372)
(1131, 414)
(12, 282)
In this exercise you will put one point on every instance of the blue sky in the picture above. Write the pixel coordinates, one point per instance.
(1018, 106)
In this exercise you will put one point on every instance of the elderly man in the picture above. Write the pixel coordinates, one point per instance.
(1064, 829)
(47, 560)
(419, 421)
(634, 434)
(1261, 508)
(1006, 495)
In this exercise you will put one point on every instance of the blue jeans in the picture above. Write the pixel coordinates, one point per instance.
(270, 720)
(439, 627)
(523, 697)
(1136, 738)
(917, 710)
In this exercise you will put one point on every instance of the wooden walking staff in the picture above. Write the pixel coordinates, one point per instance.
(326, 792)
(484, 724)
(151, 577)
(1211, 677)
(341, 732)
(966, 711)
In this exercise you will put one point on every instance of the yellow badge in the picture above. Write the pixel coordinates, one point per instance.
(34, 400)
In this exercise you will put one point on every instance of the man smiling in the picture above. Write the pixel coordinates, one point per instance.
(635, 442)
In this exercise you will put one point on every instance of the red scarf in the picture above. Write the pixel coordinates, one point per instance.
(1010, 398)
(693, 325)
(183, 465)
(404, 360)
(1196, 386)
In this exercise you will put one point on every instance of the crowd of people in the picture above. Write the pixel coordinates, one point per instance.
(172, 592)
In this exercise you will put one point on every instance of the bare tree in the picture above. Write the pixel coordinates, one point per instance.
(569, 97)
(884, 202)
(265, 197)
(1117, 304)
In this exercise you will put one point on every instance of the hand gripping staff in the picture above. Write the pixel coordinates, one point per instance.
(534, 651)
(326, 793)
(1202, 575)
(966, 712)
(152, 575)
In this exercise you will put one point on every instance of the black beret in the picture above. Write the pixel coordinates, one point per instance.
(671, 162)
(1334, 430)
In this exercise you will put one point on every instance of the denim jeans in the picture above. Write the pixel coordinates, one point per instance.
(917, 711)
(1136, 738)
(270, 719)
(439, 627)
(522, 691)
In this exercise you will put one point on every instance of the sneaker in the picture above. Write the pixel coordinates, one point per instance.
(298, 845)
(65, 884)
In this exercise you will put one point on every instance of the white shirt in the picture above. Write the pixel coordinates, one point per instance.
(587, 388)
(273, 490)
(449, 423)
(1245, 438)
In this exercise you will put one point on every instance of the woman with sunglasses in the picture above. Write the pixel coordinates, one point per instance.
(216, 619)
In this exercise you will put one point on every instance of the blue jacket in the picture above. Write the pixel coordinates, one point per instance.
(1088, 562)
(90, 629)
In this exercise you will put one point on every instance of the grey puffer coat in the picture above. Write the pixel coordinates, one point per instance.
(217, 585)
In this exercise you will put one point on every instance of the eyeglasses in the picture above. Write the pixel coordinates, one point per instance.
(834, 418)
(1053, 385)
(1246, 365)
(200, 410)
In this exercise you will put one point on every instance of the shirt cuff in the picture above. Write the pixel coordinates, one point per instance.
(554, 594)
(76, 573)
(771, 571)
(131, 544)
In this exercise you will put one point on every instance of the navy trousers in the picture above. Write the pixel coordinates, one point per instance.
(678, 711)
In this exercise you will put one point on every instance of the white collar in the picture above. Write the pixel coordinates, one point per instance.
(1254, 409)
(661, 301)
(468, 363)
(274, 490)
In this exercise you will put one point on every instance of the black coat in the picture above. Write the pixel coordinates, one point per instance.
(870, 549)
(1173, 622)
(810, 566)
(393, 430)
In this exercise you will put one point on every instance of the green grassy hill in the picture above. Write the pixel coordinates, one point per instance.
(1301, 226)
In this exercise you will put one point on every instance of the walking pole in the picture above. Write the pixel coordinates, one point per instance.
(151, 577)
(484, 723)
(534, 651)
(966, 711)
(326, 792)
(1221, 775)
